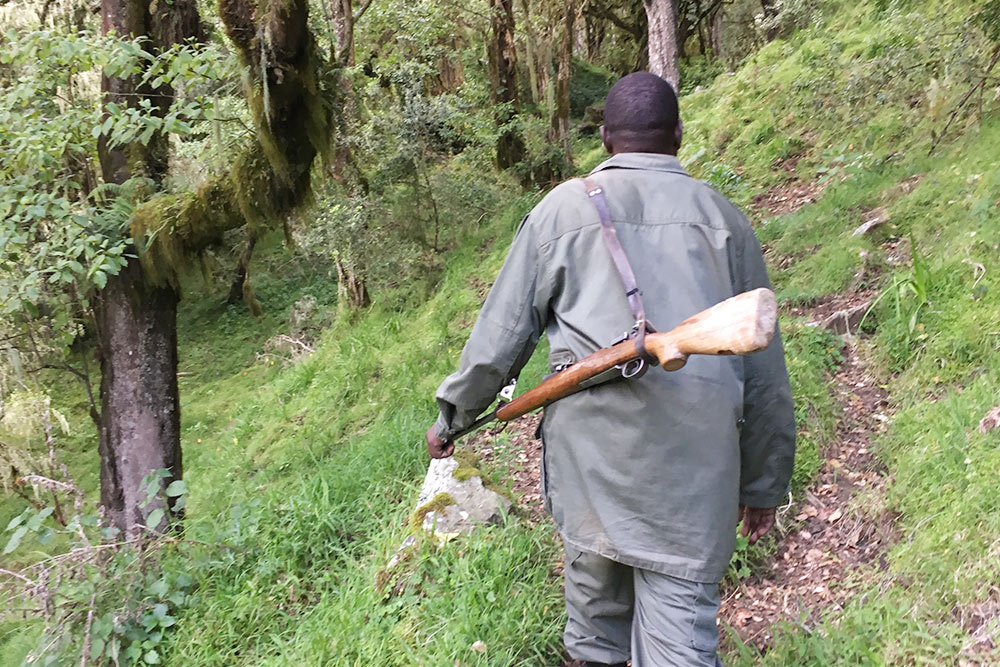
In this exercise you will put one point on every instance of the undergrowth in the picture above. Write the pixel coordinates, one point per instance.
(302, 475)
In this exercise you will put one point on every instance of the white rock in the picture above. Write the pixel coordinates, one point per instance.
(471, 502)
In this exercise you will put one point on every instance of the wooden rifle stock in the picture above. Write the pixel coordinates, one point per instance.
(742, 324)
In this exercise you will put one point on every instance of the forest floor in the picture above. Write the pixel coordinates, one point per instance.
(837, 525)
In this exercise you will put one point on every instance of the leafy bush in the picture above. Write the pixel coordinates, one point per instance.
(588, 85)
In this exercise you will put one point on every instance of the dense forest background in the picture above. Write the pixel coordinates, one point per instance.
(242, 243)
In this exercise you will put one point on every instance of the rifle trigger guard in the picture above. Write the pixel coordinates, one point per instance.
(634, 368)
(637, 367)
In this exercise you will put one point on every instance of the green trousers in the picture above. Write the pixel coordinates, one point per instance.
(617, 613)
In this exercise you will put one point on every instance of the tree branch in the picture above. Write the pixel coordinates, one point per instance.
(600, 10)
(980, 83)
(361, 12)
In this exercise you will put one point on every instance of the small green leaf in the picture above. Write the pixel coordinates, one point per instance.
(15, 539)
(35, 522)
(159, 589)
(154, 518)
(16, 521)
(151, 657)
(176, 488)
(96, 648)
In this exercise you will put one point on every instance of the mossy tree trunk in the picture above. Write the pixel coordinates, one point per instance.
(502, 60)
(137, 320)
(136, 312)
(352, 282)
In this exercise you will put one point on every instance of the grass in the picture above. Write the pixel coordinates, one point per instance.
(933, 330)
(307, 473)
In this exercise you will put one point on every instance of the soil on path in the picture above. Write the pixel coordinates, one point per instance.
(839, 524)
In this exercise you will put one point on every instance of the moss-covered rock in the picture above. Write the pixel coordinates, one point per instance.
(436, 504)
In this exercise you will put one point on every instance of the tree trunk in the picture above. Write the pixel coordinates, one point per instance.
(594, 31)
(716, 32)
(531, 56)
(240, 289)
(560, 115)
(663, 52)
(770, 10)
(502, 59)
(351, 288)
(137, 322)
(140, 408)
(343, 27)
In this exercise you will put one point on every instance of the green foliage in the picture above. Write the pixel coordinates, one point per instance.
(297, 572)
(699, 71)
(48, 176)
(988, 18)
(103, 601)
(588, 85)
(861, 98)
(903, 302)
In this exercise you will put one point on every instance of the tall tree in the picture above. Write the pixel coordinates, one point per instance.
(664, 54)
(502, 60)
(137, 321)
(352, 288)
(136, 310)
(560, 114)
(535, 88)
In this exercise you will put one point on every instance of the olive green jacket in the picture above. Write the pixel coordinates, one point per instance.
(648, 472)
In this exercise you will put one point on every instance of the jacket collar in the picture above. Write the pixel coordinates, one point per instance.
(651, 161)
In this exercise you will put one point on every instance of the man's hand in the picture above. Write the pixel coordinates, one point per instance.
(439, 449)
(756, 521)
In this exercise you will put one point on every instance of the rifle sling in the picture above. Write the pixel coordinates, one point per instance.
(596, 195)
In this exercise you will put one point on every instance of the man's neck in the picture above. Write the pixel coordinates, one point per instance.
(645, 149)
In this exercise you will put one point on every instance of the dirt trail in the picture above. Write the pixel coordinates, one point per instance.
(838, 524)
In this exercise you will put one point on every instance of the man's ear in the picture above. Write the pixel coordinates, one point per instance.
(679, 133)
(606, 139)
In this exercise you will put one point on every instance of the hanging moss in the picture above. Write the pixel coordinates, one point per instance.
(272, 177)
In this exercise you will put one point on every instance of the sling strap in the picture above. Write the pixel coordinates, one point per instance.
(596, 195)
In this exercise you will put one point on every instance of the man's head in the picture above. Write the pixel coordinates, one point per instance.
(641, 116)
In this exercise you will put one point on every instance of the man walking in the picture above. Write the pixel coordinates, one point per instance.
(645, 477)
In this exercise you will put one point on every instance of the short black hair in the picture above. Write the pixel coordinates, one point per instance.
(641, 103)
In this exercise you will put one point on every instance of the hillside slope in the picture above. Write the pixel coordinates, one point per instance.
(302, 475)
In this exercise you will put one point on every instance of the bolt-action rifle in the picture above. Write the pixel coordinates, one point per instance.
(742, 324)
